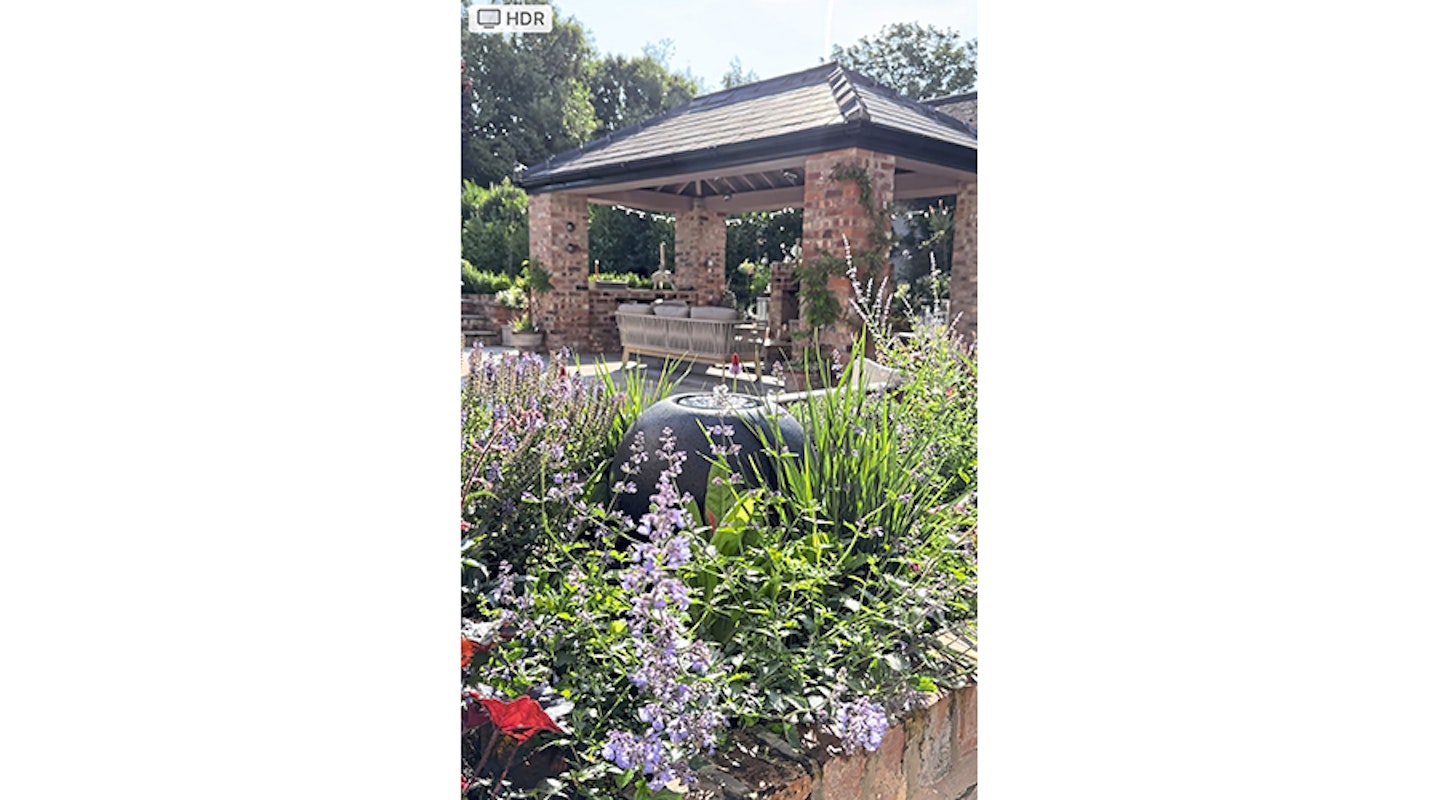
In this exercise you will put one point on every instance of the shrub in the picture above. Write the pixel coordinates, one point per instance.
(631, 279)
(495, 231)
(473, 281)
(532, 442)
(513, 298)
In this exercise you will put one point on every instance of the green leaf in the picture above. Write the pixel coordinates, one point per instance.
(718, 499)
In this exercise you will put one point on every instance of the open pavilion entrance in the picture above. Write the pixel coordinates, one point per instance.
(761, 147)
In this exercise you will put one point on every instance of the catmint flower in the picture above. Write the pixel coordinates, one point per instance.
(859, 724)
(673, 671)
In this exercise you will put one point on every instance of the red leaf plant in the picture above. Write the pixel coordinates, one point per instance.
(520, 719)
(468, 649)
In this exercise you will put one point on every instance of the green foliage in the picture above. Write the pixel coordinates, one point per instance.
(737, 75)
(820, 307)
(522, 99)
(525, 98)
(839, 583)
(527, 427)
(631, 280)
(495, 231)
(749, 281)
(473, 281)
(513, 298)
(918, 61)
(760, 237)
(625, 91)
(536, 278)
(842, 579)
(628, 241)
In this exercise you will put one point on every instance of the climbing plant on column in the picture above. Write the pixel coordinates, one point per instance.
(819, 305)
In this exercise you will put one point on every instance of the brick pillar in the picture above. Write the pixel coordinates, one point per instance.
(833, 215)
(700, 254)
(559, 222)
(964, 272)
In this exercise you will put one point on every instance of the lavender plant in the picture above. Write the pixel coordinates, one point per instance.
(533, 439)
(675, 673)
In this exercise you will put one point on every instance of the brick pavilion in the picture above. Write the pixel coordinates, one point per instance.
(760, 147)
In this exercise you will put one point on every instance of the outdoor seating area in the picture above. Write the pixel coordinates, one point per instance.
(678, 331)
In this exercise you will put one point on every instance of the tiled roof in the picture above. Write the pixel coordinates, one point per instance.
(963, 107)
(815, 110)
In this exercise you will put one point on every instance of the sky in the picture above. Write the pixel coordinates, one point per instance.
(771, 37)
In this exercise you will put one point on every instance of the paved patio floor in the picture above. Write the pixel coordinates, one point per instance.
(691, 376)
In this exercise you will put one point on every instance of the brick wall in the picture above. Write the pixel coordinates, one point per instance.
(482, 312)
(833, 214)
(560, 242)
(783, 304)
(930, 755)
(964, 272)
(700, 254)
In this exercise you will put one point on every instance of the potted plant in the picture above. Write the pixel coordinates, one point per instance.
(524, 334)
(537, 282)
(514, 302)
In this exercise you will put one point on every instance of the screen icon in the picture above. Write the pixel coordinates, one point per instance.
(511, 19)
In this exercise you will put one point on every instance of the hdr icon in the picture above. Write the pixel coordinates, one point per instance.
(511, 19)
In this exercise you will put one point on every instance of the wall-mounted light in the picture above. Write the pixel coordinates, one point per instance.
(728, 195)
(570, 227)
(570, 248)
(790, 175)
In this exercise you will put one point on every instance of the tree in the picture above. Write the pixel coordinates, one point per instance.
(738, 75)
(629, 241)
(494, 227)
(919, 62)
(523, 99)
(624, 91)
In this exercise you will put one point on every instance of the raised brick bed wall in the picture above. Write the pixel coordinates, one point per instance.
(930, 755)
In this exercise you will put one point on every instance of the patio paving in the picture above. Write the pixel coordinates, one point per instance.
(688, 377)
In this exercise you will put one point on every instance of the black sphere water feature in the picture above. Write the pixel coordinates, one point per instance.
(689, 417)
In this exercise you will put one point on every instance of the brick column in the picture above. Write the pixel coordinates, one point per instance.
(834, 215)
(964, 272)
(700, 253)
(559, 222)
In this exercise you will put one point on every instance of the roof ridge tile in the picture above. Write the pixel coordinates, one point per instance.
(852, 106)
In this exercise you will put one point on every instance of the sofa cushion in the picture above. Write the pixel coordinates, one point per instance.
(634, 308)
(713, 313)
(672, 310)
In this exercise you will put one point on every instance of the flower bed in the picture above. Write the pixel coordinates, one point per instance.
(605, 657)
